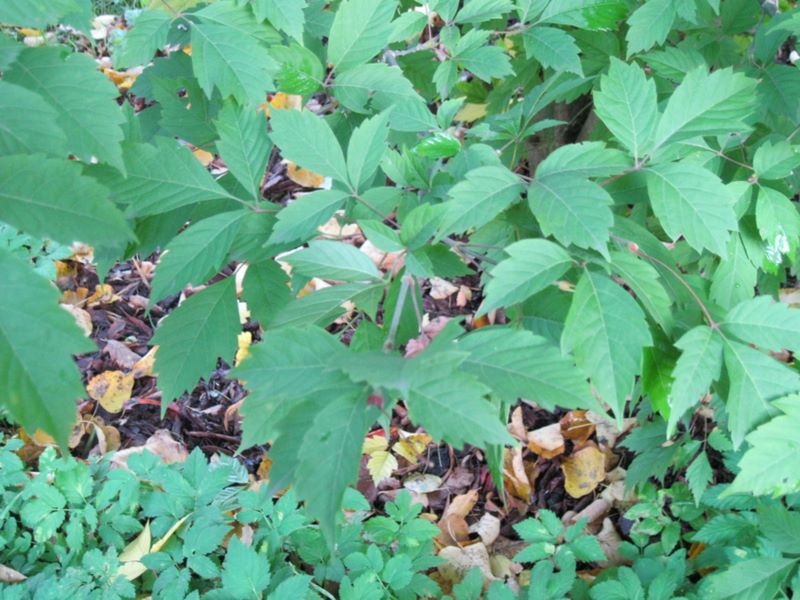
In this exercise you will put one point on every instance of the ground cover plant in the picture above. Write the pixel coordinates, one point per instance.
(520, 272)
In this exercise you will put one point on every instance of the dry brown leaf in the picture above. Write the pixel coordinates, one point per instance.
(610, 541)
(144, 367)
(464, 296)
(584, 470)
(547, 441)
(454, 530)
(462, 504)
(488, 528)
(205, 157)
(122, 356)
(304, 177)
(515, 479)
(422, 483)
(460, 560)
(160, 443)
(333, 228)
(441, 289)
(111, 389)
(386, 261)
(575, 426)
(516, 427)
(9, 575)
(82, 318)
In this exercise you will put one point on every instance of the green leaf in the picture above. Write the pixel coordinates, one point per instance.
(649, 25)
(553, 48)
(691, 201)
(707, 104)
(699, 475)
(286, 15)
(606, 330)
(41, 382)
(196, 254)
(328, 259)
(752, 578)
(438, 145)
(191, 338)
(532, 265)
(778, 90)
(699, 365)
(518, 364)
(330, 454)
(306, 139)
(49, 197)
(243, 144)
(379, 86)
(28, 124)
(163, 177)
(735, 279)
(300, 219)
(366, 149)
(573, 210)
(266, 290)
(300, 72)
(483, 194)
(775, 161)
(755, 380)
(588, 14)
(643, 279)
(478, 11)
(450, 404)
(83, 98)
(765, 323)
(320, 307)
(778, 524)
(485, 62)
(148, 34)
(587, 159)
(778, 224)
(245, 573)
(360, 29)
(626, 103)
(236, 65)
(39, 13)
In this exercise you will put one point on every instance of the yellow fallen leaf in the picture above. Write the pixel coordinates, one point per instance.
(144, 367)
(411, 446)
(375, 443)
(583, 471)
(187, 49)
(111, 389)
(515, 478)
(304, 177)
(243, 340)
(27, 31)
(160, 543)
(203, 156)
(65, 269)
(381, 465)
(471, 112)
(131, 556)
(122, 79)
(282, 100)
(103, 294)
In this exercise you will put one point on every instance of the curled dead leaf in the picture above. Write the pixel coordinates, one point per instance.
(516, 427)
(454, 530)
(576, 426)
(488, 528)
(441, 289)
(82, 318)
(584, 470)
(122, 356)
(462, 504)
(515, 478)
(547, 441)
(160, 443)
(9, 575)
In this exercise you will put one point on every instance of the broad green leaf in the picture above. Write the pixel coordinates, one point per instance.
(691, 201)
(438, 145)
(196, 254)
(320, 307)
(28, 124)
(50, 198)
(378, 86)
(41, 13)
(735, 279)
(300, 219)
(306, 139)
(769, 465)
(697, 368)
(778, 224)
(148, 34)
(650, 24)
(553, 48)
(301, 71)
(245, 573)
(572, 209)
(775, 161)
(366, 149)
(643, 279)
(483, 194)
(626, 103)
(83, 98)
(328, 259)
(286, 15)
(707, 104)
(752, 578)
(778, 89)
(266, 290)
(360, 29)
(236, 65)
(532, 265)
(163, 177)
(41, 382)
(606, 331)
(591, 14)
(765, 323)
(698, 475)
(191, 338)
(587, 159)
(450, 404)
(330, 455)
(486, 62)
(244, 144)
(9, 50)
(518, 364)
(478, 11)
(755, 380)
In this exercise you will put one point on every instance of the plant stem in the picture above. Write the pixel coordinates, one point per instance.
(398, 311)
